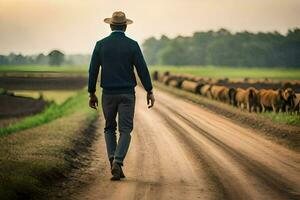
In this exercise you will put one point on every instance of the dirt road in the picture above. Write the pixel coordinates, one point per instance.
(181, 151)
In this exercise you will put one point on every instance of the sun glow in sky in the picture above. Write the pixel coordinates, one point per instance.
(73, 26)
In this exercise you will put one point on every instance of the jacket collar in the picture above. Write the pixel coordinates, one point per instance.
(117, 32)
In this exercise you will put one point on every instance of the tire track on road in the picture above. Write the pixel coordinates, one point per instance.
(272, 179)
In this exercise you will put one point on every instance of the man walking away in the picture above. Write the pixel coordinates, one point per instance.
(117, 55)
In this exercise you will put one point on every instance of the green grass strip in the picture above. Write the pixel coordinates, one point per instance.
(284, 118)
(232, 72)
(53, 111)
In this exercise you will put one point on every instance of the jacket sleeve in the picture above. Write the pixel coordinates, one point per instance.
(141, 68)
(94, 69)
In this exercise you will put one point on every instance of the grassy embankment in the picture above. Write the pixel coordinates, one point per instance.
(52, 112)
(35, 156)
(57, 96)
(230, 72)
(233, 72)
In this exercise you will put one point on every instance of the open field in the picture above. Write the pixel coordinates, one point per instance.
(16, 106)
(233, 72)
(25, 68)
(207, 71)
(43, 83)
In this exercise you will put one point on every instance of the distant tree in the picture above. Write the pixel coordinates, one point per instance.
(56, 57)
(152, 48)
(4, 60)
(41, 59)
(17, 59)
(175, 53)
(222, 47)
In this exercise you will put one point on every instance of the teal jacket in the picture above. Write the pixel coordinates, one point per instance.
(117, 55)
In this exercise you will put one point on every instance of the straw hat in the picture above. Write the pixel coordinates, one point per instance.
(118, 18)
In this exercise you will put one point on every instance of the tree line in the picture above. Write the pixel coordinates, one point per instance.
(224, 48)
(54, 58)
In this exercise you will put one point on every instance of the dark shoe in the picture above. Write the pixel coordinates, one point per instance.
(122, 175)
(116, 172)
(111, 160)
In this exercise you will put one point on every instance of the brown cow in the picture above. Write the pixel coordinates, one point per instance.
(296, 108)
(247, 99)
(199, 79)
(176, 82)
(205, 90)
(222, 80)
(189, 77)
(227, 95)
(224, 94)
(253, 100)
(231, 94)
(191, 86)
(216, 91)
(164, 75)
(289, 96)
(271, 100)
(166, 79)
(240, 97)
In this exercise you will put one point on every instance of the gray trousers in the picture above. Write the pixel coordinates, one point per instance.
(123, 105)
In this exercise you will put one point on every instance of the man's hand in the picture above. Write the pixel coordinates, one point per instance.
(93, 101)
(150, 99)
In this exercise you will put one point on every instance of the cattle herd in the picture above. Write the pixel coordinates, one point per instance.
(253, 95)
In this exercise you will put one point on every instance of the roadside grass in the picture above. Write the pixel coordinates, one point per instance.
(284, 118)
(58, 96)
(34, 159)
(53, 111)
(232, 72)
(29, 68)
(41, 152)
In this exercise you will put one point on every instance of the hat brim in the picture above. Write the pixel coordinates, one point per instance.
(109, 21)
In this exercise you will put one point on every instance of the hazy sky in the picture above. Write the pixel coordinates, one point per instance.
(33, 26)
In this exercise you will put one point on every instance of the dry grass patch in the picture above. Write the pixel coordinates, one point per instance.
(31, 160)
